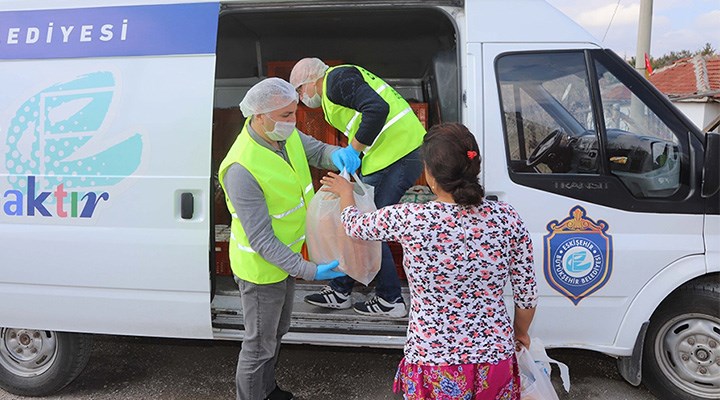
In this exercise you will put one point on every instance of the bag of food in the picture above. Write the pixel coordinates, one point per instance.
(326, 238)
(535, 371)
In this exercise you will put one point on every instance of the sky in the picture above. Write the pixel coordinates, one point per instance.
(676, 25)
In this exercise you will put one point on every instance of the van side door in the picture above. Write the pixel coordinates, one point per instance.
(105, 131)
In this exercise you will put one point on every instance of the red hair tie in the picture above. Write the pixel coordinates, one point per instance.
(471, 154)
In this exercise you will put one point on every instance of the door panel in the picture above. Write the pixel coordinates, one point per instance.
(104, 127)
(591, 258)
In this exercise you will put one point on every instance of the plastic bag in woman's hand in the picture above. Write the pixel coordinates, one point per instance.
(326, 238)
(534, 383)
(535, 370)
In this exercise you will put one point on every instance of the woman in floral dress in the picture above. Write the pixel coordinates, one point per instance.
(460, 251)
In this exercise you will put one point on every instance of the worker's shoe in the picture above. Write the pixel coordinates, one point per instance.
(381, 307)
(279, 394)
(329, 298)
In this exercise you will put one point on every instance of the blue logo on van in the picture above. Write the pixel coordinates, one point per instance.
(578, 255)
(57, 150)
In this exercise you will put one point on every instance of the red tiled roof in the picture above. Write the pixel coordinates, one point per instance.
(617, 92)
(689, 76)
(713, 70)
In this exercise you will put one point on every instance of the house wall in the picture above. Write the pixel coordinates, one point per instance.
(701, 114)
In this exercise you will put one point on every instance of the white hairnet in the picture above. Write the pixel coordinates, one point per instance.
(267, 95)
(307, 70)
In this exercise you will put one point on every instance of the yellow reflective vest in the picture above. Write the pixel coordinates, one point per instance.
(402, 133)
(288, 190)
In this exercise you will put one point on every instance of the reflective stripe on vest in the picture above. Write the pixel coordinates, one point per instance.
(249, 249)
(389, 123)
(400, 134)
(357, 113)
(287, 189)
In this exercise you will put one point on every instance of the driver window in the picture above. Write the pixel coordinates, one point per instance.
(549, 124)
(643, 152)
(526, 121)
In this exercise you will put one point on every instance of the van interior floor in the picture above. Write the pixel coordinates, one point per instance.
(311, 324)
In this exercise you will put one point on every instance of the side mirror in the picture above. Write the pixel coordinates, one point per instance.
(711, 165)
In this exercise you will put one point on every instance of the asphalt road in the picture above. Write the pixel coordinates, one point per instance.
(122, 368)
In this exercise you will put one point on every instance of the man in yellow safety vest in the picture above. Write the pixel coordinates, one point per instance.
(380, 124)
(267, 185)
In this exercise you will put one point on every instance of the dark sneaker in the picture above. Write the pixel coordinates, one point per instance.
(379, 306)
(329, 298)
(279, 394)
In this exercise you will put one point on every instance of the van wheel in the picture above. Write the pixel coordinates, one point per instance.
(39, 363)
(681, 359)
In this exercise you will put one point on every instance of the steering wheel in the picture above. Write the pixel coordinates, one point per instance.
(547, 146)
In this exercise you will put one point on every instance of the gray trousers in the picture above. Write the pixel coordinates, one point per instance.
(266, 311)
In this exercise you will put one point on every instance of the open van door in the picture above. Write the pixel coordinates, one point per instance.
(105, 131)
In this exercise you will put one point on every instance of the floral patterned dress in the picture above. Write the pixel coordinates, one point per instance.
(458, 259)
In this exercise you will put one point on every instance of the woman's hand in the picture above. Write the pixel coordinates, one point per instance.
(521, 324)
(336, 184)
(340, 186)
(522, 340)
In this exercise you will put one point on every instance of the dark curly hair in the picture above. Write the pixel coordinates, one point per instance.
(451, 154)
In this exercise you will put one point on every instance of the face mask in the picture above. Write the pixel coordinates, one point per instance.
(313, 102)
(282, 130)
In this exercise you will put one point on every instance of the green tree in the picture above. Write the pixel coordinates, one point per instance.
(708, 50)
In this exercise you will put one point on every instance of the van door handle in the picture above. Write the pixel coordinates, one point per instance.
(491, 197)
(187, 205)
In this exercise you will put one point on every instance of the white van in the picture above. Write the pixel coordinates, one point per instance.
(114, 116)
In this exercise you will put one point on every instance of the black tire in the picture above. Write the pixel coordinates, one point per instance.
(681, 357)
(39, 363)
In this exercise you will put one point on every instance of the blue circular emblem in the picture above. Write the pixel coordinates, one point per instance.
(578, 262)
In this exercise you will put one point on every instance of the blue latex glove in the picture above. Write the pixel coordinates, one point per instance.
(327, 271)
(346, 158)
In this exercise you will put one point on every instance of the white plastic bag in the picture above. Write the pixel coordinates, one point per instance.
(535, 370)
(326, 238)
(538, 353)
